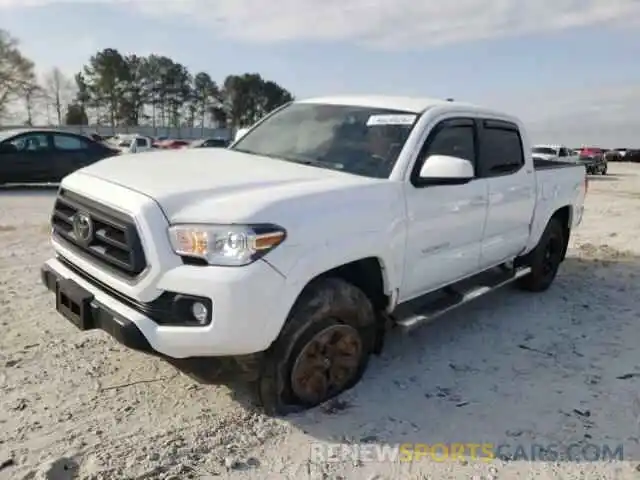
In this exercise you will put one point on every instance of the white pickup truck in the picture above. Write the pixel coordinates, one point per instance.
(132, 143)
(291, 253)
(554, 152)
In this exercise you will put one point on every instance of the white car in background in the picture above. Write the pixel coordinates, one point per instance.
(131, 143)
(554, 152)
(621, 151)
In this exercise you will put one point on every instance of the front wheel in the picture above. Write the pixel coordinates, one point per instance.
(545, 258)
(323, 349)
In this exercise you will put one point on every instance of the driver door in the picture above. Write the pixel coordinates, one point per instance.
(446, 222)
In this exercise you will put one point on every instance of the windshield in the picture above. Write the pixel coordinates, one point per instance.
(125, 143)
(359, 140)
(544, 150)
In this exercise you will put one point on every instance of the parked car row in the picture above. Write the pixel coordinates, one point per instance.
(593, 159)
(134, 143)
(47, 155)
(623, 155)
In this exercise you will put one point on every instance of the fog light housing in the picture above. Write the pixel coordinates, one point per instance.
(190, 310)
(200, 312)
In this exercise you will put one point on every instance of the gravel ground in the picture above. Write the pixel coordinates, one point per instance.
(554, 368)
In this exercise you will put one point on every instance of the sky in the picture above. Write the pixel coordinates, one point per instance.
(569, 68)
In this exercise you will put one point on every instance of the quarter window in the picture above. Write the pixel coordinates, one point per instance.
(68, 142)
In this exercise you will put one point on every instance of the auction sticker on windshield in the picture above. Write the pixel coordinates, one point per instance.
(391, 120)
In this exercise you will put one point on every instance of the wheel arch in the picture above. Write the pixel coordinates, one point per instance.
(565, 216)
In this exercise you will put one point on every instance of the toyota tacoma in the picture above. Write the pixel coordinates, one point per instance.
(291, 253)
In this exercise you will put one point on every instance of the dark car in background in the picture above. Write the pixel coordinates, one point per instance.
(632, 155)
(210, 143)
(45, 155)
(612, 156)
(594, 160)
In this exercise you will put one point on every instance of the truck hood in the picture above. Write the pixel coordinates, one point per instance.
(224, 186)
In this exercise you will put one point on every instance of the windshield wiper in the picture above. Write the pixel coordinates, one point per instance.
(314, 162)
(317, 162)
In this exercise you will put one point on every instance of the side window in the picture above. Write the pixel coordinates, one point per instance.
(454, 141)
(31, 142)
(453, 138)
(500, 151)
(562, 152)
(69, 142)
(141, 142)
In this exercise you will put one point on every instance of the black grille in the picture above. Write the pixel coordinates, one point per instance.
(114, 241)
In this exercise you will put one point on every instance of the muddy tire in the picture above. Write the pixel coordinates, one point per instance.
(545, 258)
(322, 350)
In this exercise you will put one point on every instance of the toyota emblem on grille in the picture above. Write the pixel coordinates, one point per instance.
(83, 228)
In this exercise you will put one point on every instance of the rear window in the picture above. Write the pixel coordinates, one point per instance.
(543, 150)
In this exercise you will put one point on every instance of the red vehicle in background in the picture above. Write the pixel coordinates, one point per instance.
(593, 159)
(171, 144)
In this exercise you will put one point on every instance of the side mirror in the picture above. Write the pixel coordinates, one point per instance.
(446, 170)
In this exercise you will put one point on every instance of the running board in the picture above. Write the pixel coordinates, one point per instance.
(424, 309)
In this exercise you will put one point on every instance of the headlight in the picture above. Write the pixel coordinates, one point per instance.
(225, 245)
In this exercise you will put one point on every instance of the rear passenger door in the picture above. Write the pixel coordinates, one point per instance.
(511, 186)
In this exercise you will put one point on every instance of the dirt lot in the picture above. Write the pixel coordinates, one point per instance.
(523, 369)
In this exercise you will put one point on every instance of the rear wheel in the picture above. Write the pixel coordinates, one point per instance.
(323, 349)
(545, 258)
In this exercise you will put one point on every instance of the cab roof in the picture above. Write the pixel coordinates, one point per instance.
(415, 105)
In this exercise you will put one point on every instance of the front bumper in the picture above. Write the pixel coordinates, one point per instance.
(243, 300)
(102, 317)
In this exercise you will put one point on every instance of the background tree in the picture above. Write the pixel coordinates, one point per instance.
(249, 97)
(131, 110)
(58, 91)
(16, 72)
(206, 96)
(83, 96)
(76, 115)
(32, 94)
(107, 76)
(135, 90)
